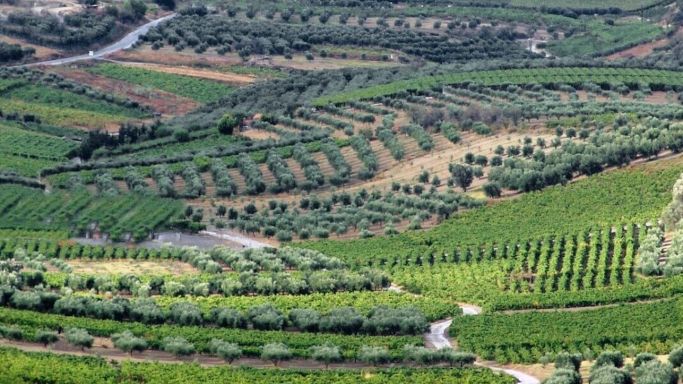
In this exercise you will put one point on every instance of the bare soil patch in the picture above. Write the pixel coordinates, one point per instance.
(259, 134)
(641, 50)
(160, 101)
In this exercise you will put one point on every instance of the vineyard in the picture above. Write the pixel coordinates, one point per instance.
(304, 191)
(203, 91)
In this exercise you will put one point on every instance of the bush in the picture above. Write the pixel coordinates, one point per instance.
(178, 346)
(326, 354)
(228, 317)
(344, 320)
(655, 372)
(374, 355)
(568, 361)
(676, 356)
(492, 189)
(226, 351)
(266, 317)
(11, 332)
(46, 337)
(275, 353)
(644, 357)
(228, 123)
(564, 376)
(79, 338)
(420, 355)
(127, 342)
(456, 358)
(615, 358)
(305, 319)
(608, 374)
(184, 313)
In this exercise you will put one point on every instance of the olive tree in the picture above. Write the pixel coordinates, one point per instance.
(128, 342)
(462, 175)
(276, 353)
(374, 355)
(226, 351)
(79, 338)
(568, 360)
(177, 346)
(46, 337)
(609, 374)
(326, 354)
(655, 372)
(564, 376)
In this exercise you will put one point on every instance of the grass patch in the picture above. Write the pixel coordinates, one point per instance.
(20, 142)
(260, 72)
(626, 5)
(602, 39)
(64, 99)
(201, 90)
(55, 115)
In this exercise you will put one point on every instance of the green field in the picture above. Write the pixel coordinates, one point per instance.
(22, 367)
(29, 209)
(22, 142)
(601, 39)
(201, 90)
(637, 194)
(541, 76)
(627, 5)
(526, 337)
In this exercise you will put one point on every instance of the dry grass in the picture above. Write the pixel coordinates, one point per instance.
(167, 55)
(135, 267)
(225, 77)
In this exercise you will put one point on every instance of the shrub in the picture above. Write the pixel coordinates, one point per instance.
(226, 351)
(275, 353)
(615, 358)
(79, 338)
(178, 346)
(568, 360)
(128, 342)
(46, 337)
(676, 356)
(326, 354)
(655, 372)
(608, 374)
(374, 355)
(564, 376)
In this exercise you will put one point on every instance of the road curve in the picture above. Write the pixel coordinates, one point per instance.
(522, 378)
(437, 338)
(125, 43)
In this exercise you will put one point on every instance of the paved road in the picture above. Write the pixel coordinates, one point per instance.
(125, 43)
(437, 338)
(437, 334)
(244, 241)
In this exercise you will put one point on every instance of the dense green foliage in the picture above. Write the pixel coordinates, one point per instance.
(78, 211)
(631, 195)
(22, 367)
(201, 90)
(497, 336)
(503, 77)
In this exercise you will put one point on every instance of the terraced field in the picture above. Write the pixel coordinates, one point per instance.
(311, 191)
